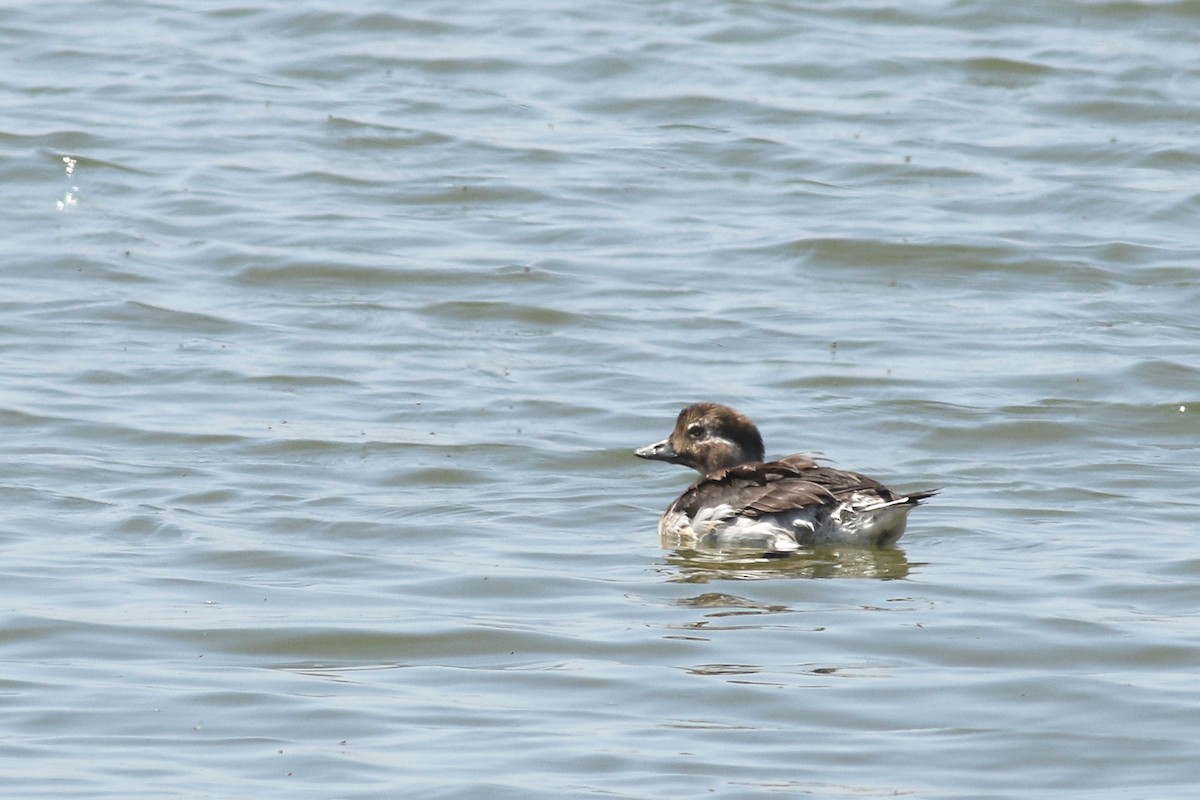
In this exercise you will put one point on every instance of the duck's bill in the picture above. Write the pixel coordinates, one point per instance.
(659, 451)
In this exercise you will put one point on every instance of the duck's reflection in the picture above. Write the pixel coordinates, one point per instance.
(699, 566)
(730, 605)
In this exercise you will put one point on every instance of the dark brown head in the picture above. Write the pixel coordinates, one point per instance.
(708, 437)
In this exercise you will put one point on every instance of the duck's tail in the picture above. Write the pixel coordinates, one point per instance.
(916, 498)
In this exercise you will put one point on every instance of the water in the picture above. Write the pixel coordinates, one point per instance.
(328, 334)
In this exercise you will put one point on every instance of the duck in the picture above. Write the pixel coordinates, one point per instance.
(741, 501)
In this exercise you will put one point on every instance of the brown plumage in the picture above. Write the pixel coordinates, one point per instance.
(740, 500)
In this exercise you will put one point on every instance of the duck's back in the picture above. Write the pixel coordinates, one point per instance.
(784, 505)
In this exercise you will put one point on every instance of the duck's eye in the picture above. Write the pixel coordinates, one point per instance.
(695, 431)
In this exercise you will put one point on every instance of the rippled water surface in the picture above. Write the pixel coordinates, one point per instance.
(327, 333)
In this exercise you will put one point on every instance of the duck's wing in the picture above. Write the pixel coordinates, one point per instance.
(755, 489)
(842, 483)
(859, 491)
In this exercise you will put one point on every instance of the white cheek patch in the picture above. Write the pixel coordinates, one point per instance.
(722, 444)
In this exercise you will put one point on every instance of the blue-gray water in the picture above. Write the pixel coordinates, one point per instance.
(326, 334)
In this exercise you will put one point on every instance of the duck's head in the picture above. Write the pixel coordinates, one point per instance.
(708, 437)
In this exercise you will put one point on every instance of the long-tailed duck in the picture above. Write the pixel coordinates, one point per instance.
(742, 502)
